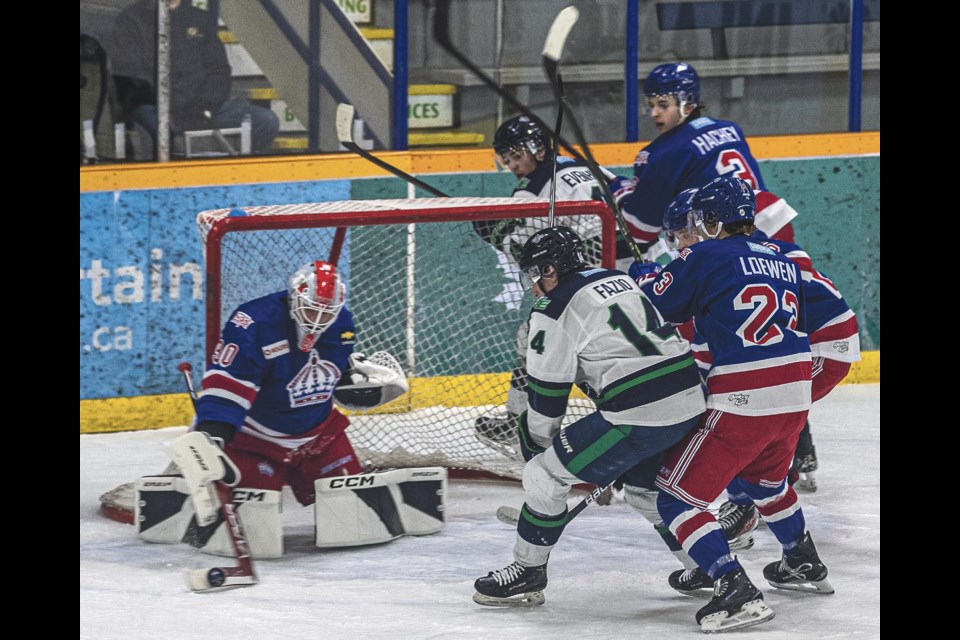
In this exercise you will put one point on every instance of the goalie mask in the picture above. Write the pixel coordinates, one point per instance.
(316, 294)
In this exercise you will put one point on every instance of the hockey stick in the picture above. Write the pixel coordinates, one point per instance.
(345, 135)
(219, 578)
(117, 504)
(186, 369)
(511, 515)
(441, 32)
(556, 148)
(552, 51)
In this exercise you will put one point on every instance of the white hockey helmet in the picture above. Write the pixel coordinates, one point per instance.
(316, 294)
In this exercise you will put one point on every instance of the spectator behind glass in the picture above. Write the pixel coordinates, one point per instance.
(199, 74)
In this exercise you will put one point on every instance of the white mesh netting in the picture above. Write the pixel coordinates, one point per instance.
(434, 294)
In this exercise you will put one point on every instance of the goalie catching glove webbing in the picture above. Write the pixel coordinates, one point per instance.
(370, 382)
(202, 464)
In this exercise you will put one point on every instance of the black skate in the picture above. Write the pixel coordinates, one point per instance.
(512, 586)
(738, 523)
(806, 467)
(499, 432)
(801, 572)
(736, 603)
(689, 581)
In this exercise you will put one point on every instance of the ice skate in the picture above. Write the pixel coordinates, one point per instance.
(738, 523)
(512, 586)
(690, 581)
(736, 603)
(806, 467)
(499, 432)
(803, 571)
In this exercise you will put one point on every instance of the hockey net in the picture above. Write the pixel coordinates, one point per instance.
(422, 285)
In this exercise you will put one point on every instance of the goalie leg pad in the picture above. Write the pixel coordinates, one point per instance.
(260, 512)
(164, 513)
(372, 508)
(162, 508)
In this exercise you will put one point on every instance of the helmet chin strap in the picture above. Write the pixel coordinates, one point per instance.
(703, 227)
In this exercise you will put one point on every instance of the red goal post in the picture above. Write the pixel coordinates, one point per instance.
(421, 284)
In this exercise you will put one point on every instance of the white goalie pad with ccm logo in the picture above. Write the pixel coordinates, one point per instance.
(164, 514)
(371, 508)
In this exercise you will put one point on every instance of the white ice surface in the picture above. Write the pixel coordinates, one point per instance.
(607, 575)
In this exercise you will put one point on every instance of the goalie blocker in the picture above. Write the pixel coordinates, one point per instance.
(353, 510)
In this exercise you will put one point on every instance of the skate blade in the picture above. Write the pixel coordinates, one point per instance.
(530, 599)
(806, 484)
(741, 543)
(823, 587)
(753, 612)
(500, 447)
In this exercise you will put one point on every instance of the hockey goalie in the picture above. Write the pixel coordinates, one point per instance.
(265, 418)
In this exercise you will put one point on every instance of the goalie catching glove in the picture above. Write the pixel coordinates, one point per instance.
(203, 463)
(370, 382)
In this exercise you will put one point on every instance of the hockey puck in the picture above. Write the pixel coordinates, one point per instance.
(216, 577)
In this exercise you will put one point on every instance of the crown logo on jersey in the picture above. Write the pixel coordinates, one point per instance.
(314, 383)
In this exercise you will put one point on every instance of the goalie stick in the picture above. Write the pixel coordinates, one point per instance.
(345, 135)
(219, 578)
(552, 51)
(511, 515)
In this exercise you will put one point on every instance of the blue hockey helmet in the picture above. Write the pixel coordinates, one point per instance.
(723, 200)
(676, 217)
(674, 78)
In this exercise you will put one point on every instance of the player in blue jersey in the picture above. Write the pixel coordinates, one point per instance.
(280, 363)
(691, 149)
(834, 341)
(268, 400)
(746, 300)
(593, 328)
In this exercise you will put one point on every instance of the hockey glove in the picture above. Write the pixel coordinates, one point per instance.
(528, 448)
(621, 188)
(644, 272)
(202, 463)
(370, 382)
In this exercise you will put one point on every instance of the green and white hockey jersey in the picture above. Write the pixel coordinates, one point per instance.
(597, 330)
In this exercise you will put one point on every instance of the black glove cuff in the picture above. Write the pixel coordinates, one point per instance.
(222, 430)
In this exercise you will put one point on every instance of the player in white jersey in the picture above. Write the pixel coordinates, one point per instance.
(596, 329)
(523, 146)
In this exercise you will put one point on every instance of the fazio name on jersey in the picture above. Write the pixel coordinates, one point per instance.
(609, 288)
